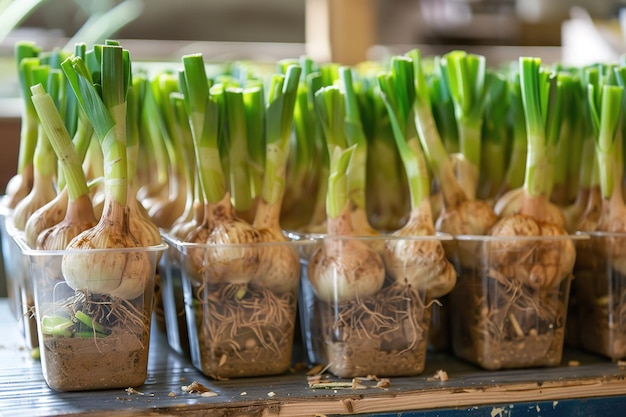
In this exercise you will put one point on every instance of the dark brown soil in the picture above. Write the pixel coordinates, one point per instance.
(119, 360)
(244, 332)
(498, 322)
(384, 335)
(602, 311)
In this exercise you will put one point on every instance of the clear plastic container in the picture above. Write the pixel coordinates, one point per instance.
(381, 331)
(509, 307)
(172, 296)
(13, 289)
(241, 306)
(601, 294)
(90, 339)
(19, 285)
(439, 331)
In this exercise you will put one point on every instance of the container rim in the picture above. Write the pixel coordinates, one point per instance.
(301, 239)
(297, 236)
(180, 244)
(600, 233)
(28, 251)
(488, 238)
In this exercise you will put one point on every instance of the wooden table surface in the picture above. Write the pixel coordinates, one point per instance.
(591, 381)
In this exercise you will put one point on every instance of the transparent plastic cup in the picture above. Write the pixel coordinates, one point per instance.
(384, 333)
(89, 339)
(19, 285)
(601, 294)
(510, 303)
(172, 295)
(241, 306)
(9, 249)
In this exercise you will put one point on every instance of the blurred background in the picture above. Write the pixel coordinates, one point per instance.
(345, 31)
(383, 22)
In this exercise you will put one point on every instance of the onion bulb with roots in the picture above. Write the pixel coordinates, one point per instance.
(414, 256)
(107, 258)
(419, 262)
(344, 267)
(461, 213)
(606, 104)
(530, 241)
(279, 262)
(124, 273)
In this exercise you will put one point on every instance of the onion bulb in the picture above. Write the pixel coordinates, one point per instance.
(124, 273)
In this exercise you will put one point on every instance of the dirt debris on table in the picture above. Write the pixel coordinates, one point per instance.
(197, 388)
(133, 391)
(319, 380)
(440, 375)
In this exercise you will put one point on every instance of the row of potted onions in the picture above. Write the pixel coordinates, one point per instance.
(363, 198)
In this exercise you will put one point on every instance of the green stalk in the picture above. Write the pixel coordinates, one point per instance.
(396, 90)
(542, 103)
(355, 136)
(443, 107)
(605, 104)
(238, 157)
(386, 186)
(106, 111)
(44, 164)
(61, 142)
(279, 122)
(162, 87)
(429, 137)
(26, 56)
(329, 72)
(301, 167)
(132, 128)
(575, 163)
(203, 118)
(566, 149)
(81, 137)
(495, 135)
(330, 107)
(465, 77)
(65, 102)
(255, 134)
(154, 163)
(56, 91)
(337, 192)
(44, 158)
(318, 215)
(514, 177)
(189, 164)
